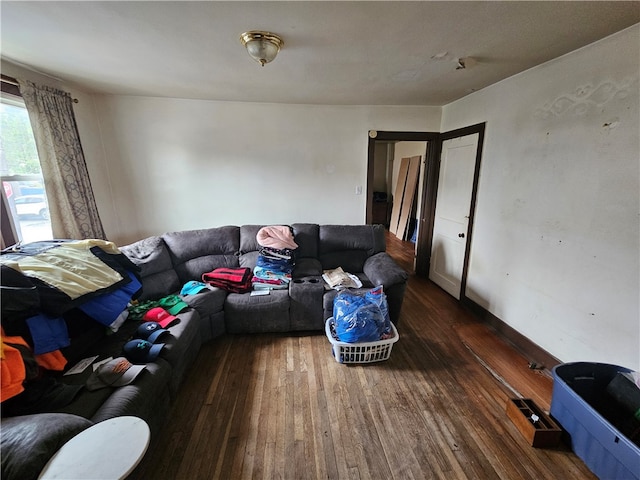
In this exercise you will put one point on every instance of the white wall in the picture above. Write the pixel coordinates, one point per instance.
(186, 164)
(163, 164)
(555, 248)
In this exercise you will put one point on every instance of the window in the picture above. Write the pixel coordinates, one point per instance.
(25, 212)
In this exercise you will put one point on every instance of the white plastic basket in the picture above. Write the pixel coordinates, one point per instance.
(363, 352)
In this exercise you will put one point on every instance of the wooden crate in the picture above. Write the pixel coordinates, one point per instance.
(541, 433)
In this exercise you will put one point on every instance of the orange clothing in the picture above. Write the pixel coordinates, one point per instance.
(12, 369)
(52, 360)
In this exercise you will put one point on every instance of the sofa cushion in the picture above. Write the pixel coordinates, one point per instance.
(307, 267)
(249, 246)
(181, 346)
(249, 260)
(132, 399)
(29, 441)
(381, 269)
(156, 270)
(248, 240)
(350, 261)
(147, 398)
(306, 236)
(208, 301)
(209, 304)
(244, 313)
(194, 252)
(348, 246)
(154, 380)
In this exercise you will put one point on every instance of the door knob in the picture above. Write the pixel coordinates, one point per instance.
(461, 235)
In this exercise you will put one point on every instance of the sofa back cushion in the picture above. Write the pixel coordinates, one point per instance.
(306, 236)
(194, 252)
(248, 241)
(249, 247)
(156, 268)
(348, 246)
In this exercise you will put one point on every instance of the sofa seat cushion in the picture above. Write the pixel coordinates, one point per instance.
(181, 346)
(160, 378)
(245, 313)
(29, 441)
(138, 398)
(208, 301)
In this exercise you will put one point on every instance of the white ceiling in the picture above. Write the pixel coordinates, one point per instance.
(336, 53)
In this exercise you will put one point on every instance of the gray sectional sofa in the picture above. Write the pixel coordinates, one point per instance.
(166, 263)
(170, 260)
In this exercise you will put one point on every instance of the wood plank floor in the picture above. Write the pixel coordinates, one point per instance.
(506, 364)
(279, 406)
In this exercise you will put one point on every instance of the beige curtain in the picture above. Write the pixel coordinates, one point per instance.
(74, 214)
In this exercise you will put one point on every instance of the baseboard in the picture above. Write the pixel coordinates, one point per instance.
(532, 351)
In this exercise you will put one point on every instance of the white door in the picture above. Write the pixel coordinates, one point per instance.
(453, 206)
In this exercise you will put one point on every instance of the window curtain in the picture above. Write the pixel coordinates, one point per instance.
(72, 206)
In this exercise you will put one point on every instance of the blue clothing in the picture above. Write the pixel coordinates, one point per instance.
(280, 265)
(48, 333)
(268, 274)
(106, 308)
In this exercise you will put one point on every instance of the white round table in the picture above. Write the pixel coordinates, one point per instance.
(108, 450)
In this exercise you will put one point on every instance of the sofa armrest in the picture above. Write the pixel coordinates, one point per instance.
(29, 441)
(383, 270)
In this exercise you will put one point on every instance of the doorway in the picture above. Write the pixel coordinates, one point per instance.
(428, 199)
(387, 152)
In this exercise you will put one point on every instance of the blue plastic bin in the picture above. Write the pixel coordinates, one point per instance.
(579, 397)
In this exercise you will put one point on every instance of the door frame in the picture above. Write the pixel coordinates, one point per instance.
(429, 137)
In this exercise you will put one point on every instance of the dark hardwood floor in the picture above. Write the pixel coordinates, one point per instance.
(279, 406)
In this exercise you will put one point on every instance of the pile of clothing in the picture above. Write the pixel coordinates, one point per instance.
(276, 258)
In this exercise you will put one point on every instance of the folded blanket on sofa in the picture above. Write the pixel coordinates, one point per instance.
(276, 236)
(236, 280)
(271, 274)
(277, 253)
(279, 265)
(269, 284)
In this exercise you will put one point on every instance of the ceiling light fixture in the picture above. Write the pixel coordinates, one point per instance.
(262, 46)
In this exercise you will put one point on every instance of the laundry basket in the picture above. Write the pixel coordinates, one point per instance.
(362, 352)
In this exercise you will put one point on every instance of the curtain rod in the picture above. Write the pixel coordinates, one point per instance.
(13, 81)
